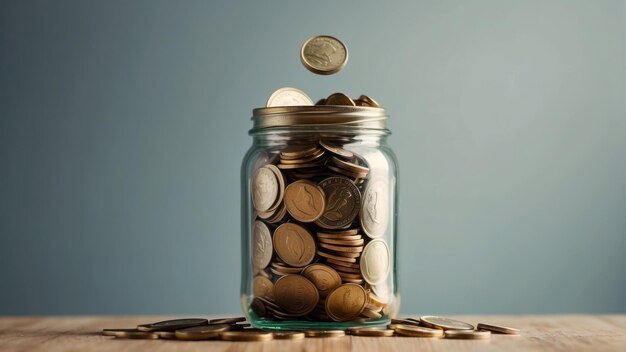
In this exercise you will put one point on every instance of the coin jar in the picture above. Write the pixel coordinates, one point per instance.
(319, 213)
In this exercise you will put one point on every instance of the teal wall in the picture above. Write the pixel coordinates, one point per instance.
(123, 125)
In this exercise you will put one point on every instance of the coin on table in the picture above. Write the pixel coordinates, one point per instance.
(325, 333)
(288, 97)
(377, 332)
(497, 329)
(323, 277)
(261, 245)
(445, 323)
(305, 200)
(296, 294)
(137, 335)
(343, 203)
(201, 332)
(288, 335)
(339, 99)
(175, 324)
(262, 287)
(166, 335)
(375, 209)
(116, 332)
(375, 262)
(323, 54)
(245, 335)
(346, 302)
(264, 189)
(294, 244)
(232, 320)
(416, 331)
(468, 334)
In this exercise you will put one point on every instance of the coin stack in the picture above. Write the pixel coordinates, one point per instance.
(319, 222)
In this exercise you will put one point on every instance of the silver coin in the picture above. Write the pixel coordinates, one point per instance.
(375, 262)
(289, 97)
(445, 323)
(261, 246)
(343, 203)
(375, 209)
(264, 189)
(324, 54)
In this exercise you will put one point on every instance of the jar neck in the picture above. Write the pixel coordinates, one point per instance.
(279, 136)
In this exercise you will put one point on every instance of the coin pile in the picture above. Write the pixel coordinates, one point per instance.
(319, 230)
(235, 329)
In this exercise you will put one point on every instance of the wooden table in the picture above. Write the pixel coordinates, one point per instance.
(539, 333)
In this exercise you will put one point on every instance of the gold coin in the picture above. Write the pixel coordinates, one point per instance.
(296, 294)
(336, 257)
(468, 334)
(343, 203)
(323, 54)
(375, 262)
(445, 323)
(288, 335)
(376, 301)
(377, 332)
(498, 329)
(262, 287)
(337, 248)
(359, 242)
(325, 333)
(245, 335)
(116, 332)
(346, 302)
(264, 189)
(339, 99)
(371, 314)
(309, 159)
(416, 331)
(261, 246)
(166, 335)
(323, 277)
(137, 335)
(197, 333)
(294, 244)
(288, 97)
(364, 100)
(174, 324)
(305, 201)
(298, 151)
(336, 150)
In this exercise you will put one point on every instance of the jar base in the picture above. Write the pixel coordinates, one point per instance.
(315, 325)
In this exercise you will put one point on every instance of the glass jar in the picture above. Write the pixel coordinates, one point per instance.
(319, 212)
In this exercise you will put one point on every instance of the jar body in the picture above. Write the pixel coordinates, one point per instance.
(319, 213)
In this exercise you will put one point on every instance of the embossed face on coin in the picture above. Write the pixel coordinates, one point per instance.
(343, 203)
(296, 294)
(304, 200)
(261, 246)
(323, 277)
(346, 302)
(289, 97)
(324, 55)
(264, 189)
(375, 209)
(375, 263)
(294, 244)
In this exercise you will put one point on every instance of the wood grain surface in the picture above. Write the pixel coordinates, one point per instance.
(539, 333)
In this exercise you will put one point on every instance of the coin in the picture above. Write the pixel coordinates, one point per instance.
(364, 100)
(339, 99)
(336, 257)
(342, 263)
(296, 294)
(246, 335)
(374, 213)
(325, 333)
(288, 335)
(294, 244)
(375, 263)
(468, 334)
(346, 302)
(281, 186)
(358, 242)
(377, 332)
(298, 151)
(323, 277)
(337, 248)
(334, 149)
(498, 329)
(166, 335)
(371, 314)
(261, 246)
(227, 320)
(117, 332)
(288, 97)
(201, 332)
(258, 307)
(305, 201)
(169, 325)
(445, 323)
(262, 287)
(323, 54)
(264, 189)
(343, 203)
(416, 331)
(137, 335)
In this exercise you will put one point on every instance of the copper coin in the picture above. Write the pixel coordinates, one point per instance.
(468, 334)
(323, 277)
(246, 335)
(358, 242)
(298, 151)
(296, 294)
(336, 150)
(352, 265)
(294, 244)
(201, 332)
(305, 201)
(416, 331)
(497, 329)
(364, 100)
(288, 335)
(325, 333)
(336, 257)
(262, 287)
(376, 332)
(137, 335)
(339, 99)
(337, 248)
(346, 302)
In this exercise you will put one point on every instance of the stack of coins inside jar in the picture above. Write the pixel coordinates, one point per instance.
(320, 241)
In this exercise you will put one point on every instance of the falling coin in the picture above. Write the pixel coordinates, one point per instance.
(288, 97)
(468, 334)
(498, 329)
(324, 54)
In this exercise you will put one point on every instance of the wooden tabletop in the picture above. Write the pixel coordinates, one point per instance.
(539, 333)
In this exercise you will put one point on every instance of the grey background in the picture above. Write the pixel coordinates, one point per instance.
(123, 125)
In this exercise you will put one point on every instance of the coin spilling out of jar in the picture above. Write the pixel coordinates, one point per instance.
(321, 203)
